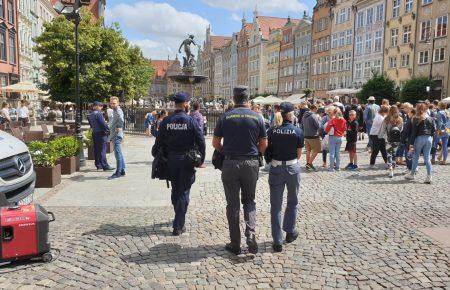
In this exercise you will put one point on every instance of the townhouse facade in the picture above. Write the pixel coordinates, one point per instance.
(286, 67)
(45, 14)
(432, 44)
(369, 40)
(28, 20)
(399, 40)
(341, 73)
(320, 53)
(242, 51)
(273, 61)
(302, 50)
(9, 43)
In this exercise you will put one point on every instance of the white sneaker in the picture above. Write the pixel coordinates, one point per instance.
(428, 179)
(409, 176)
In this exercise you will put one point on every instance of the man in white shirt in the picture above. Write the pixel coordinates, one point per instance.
(379, 144)
(23, 113)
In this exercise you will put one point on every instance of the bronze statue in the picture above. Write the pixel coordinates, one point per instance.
(189, 59)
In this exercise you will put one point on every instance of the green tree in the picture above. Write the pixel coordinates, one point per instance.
(108, 64)
(415, 89)
(380, 87)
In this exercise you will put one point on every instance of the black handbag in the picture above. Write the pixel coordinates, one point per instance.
(217, 160)
(195, 157)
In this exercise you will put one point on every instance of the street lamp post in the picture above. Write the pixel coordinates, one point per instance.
(72, 13)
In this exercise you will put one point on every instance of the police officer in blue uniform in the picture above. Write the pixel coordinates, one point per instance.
(283, 152)
(178, 134)
(100, 132)
(244, 139)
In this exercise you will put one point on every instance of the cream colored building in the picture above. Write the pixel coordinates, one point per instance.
(273, 61)
(341, 73)
(432, 46)
(45, 13)
(28, 21)
(399, 40)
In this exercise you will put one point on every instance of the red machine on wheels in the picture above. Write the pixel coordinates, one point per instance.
(24, 232)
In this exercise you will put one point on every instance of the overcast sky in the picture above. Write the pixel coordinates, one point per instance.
(158, 27)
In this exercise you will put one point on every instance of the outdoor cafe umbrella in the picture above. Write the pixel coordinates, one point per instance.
(270, 100)
(296, 99)
(21, 87)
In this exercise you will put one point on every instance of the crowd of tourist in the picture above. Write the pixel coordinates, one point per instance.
(400, 132)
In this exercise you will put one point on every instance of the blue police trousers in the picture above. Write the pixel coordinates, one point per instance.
(239, 179)
(182, 176)
(279, 178)
(100, 142)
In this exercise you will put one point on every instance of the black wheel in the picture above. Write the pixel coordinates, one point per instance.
(47, 257)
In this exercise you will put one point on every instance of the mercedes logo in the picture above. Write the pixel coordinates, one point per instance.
(20, 166)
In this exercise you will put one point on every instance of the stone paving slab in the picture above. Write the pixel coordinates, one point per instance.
(357, 231)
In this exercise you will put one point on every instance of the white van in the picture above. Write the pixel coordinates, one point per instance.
(17, 176)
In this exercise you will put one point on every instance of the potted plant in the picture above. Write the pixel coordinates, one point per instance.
(66, 148)
(89, 142)
(48, 172)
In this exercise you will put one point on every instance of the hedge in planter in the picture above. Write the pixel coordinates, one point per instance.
(48, 173)
(66, 148)
(89, 142)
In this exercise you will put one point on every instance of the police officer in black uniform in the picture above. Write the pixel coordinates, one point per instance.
(178, 134)
(284, 151)
(244, 138)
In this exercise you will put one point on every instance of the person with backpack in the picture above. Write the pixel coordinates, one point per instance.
(370, 112)
(391, 131)
(149, 120)
(423, 128)
(442, 133)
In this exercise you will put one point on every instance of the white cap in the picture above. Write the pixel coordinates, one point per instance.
(371, 98)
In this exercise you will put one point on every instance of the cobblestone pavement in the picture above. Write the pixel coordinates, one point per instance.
(357, 231)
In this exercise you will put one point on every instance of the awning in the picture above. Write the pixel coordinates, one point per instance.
(340, 92)
(296, 99)
(270, 100)
(21, 87)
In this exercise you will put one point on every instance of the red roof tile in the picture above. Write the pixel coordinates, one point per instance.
(267, 23)
(219, 41)
(161, 67)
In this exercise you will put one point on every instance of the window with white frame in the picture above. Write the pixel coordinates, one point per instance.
(333, 63)
(341, 62)
(425, 2)
(395, 8)
(423, 57)
(342, 15)
(394, 37)
(360, 22)
(406, 34)
(439, 54)
(380, 12)
(376, 68)
(405, 60)
(408, 5)
(369, 16)
(425, 30)
(359, 45)
(334, 40)
(348, 60)
(358, 71)
(368, 46)
(441, 26)
(392, 62)
(367, 66)
(349, 36)
(378, 41)
(341, 38)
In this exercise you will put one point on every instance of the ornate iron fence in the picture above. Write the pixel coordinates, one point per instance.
(135, 118)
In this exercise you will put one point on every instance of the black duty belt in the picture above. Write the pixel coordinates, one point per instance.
(228, 157)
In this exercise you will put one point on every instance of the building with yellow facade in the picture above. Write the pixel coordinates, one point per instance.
(399, 40)
(273, 61)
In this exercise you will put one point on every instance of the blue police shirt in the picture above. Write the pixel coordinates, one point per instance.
(241, 130)
(178, 133)
(284, 141)
(97, 122)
